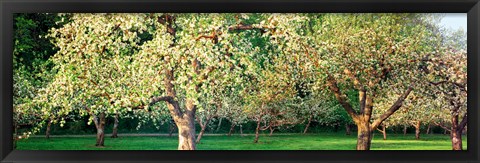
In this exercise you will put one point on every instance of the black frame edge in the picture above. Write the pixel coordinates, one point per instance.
(473, 51)
(6, 87)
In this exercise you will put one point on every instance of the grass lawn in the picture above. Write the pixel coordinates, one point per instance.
(324, 141)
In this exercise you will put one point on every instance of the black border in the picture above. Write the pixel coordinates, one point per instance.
(7, 7)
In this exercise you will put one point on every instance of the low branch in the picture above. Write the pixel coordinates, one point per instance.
(393, 108)
(463, 123)
(332, 83)
(442, 126)
(154, 100)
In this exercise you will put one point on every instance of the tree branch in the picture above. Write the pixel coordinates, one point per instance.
(463, 123)
(332, 84)
(393, 108)
(154, 100)
(442, 126)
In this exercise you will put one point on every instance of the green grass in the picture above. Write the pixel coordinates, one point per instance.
(324, 141)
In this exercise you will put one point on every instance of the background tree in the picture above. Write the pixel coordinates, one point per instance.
(233, 110)
(94, 56)
(31, 67)
(365, 53)
(448, 75)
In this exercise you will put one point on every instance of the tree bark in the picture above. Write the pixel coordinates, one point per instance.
(364, 136)
(428, 129)
(404, 129)
(456, 140)
(257, 132)
(241, 131)
(172, 128)
(232, 127)
(47, 132)
(456, 131)
(219, 125)
(100, 129)
(186, 134)
(115, 127)
(202, 131)
(383, 131)
(348, 129)
(417, 130)
(308, 124)
(271, 131)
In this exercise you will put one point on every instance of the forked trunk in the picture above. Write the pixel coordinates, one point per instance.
(100, 130)
(115, 127)
(232, 127)
(47, 132)
(271, 131)
(308, 124)
(186, 134)
(257, 133)
(364, 136)
(348, 129)
(384, 132)
(417, 130)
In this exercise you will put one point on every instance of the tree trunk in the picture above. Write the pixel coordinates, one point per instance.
(456, 140)
(100, 130)
(200, 134)
(456, 133)
(186, 133)
(219, 125)
(172, 128)
(445, 132)
(47, 132)
(232, 127)
(428, 129)
(308, 124)
(115, 127)
(404, 129)
(203, 127)
(417, 130)
(364, 136)
(257, 132)
(271, 131)
(241, 131)
(384, 132)
(348, 129)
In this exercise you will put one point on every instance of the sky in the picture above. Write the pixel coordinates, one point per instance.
(455, 21)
